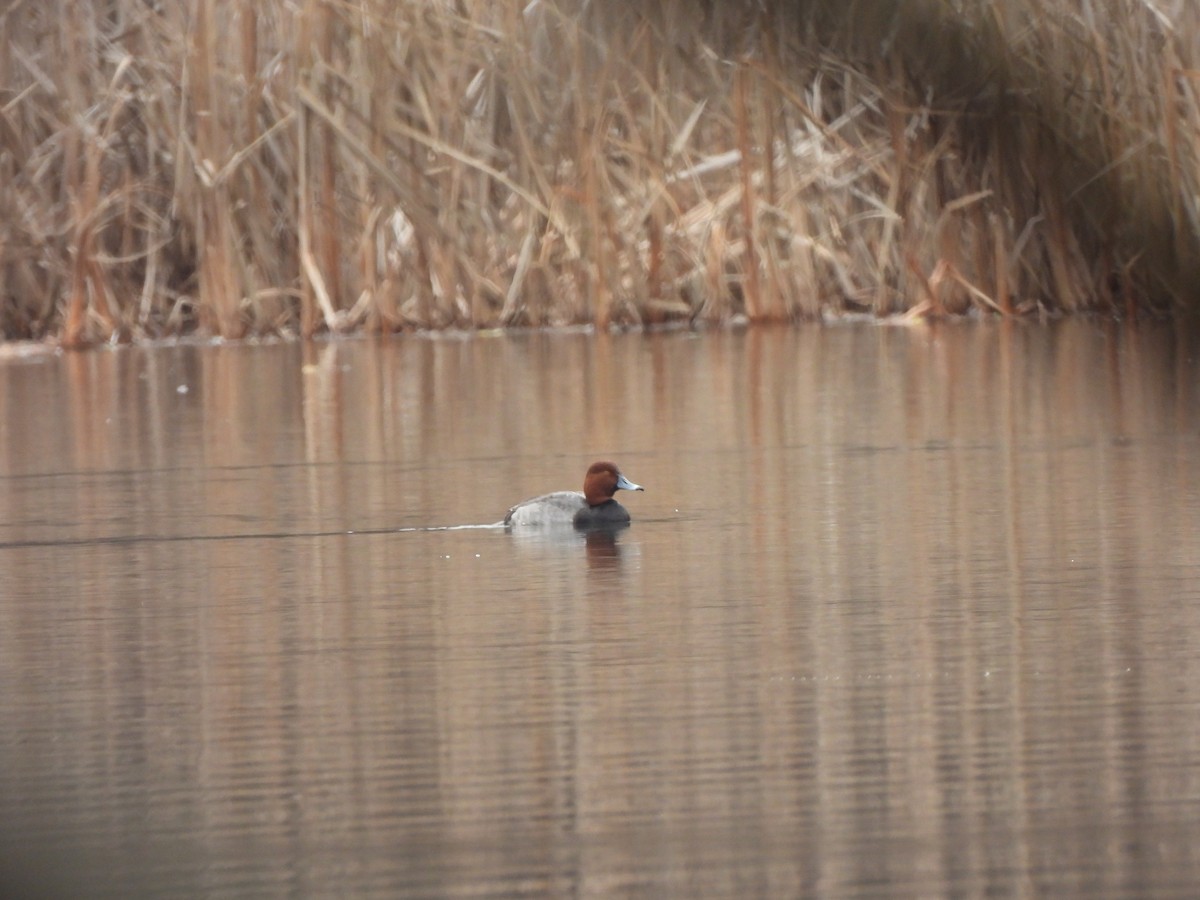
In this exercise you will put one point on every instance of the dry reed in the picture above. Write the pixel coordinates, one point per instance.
(241, 167)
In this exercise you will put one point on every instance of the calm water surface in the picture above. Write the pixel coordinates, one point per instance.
(902, 613)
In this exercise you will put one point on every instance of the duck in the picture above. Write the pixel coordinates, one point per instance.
(592, 508)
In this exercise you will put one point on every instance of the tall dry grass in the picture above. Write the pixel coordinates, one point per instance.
(245, 167)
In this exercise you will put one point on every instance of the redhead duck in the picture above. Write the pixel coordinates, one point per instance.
(593, 508)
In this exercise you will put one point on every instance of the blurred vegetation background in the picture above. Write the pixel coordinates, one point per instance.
(244, 167)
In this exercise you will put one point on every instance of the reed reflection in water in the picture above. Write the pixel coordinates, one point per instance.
(903, 612)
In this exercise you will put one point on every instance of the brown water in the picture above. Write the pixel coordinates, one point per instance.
(902, 613)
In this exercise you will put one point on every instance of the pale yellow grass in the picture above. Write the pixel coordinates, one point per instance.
(242, 167)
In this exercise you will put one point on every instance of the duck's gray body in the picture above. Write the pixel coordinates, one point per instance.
(558, 508)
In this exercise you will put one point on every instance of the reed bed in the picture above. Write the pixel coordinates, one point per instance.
(244, 167)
